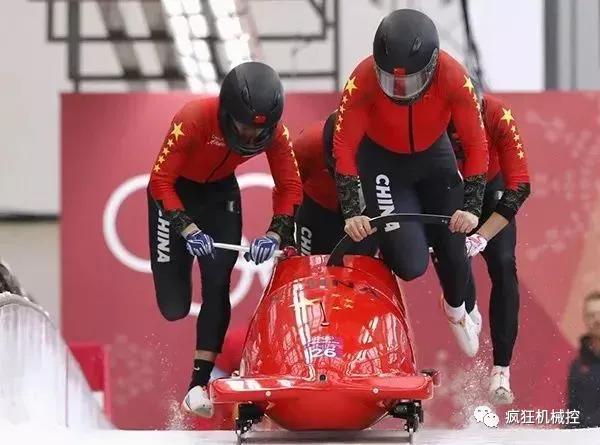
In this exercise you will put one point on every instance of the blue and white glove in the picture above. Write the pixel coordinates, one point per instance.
(199, 243)
(262, 249)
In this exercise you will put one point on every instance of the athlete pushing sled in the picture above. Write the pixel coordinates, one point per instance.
(194, 199)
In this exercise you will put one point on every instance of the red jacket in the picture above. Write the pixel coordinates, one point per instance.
(194, 148)
(318, 183)
(366, 110)
(507, 154)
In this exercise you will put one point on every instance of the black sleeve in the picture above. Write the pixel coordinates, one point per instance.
(474, 191)
(348, 188)
(283, 225)
(178, 218)
(512, 200)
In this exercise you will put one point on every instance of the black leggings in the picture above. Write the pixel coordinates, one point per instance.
(215, 208)
(319, 229)
(499, 256)
(423, 182)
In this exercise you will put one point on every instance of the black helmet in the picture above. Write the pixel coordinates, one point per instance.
(406, 52)
(252, 97)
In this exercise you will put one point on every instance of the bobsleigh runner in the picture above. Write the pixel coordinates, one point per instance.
(330, 347)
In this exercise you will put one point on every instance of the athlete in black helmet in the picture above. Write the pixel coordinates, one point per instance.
(194, 199)
(406, 51)
(391, 133)
(250, 105)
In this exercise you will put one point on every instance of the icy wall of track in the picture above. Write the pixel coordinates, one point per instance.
(40, 381)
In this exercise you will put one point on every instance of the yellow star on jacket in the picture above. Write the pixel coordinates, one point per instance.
(468, 84)
(350, 85)
(293, 154)
(286, 132)
(177, 130)
(507, 116)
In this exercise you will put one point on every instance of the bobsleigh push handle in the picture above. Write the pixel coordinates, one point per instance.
(343, 246)
(244, 249)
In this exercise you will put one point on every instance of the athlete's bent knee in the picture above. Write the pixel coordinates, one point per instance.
(173, 312)
(409, 272)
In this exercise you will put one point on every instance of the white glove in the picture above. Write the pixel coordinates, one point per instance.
(475, 244)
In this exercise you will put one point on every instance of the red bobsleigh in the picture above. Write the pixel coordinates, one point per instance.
(330, 347)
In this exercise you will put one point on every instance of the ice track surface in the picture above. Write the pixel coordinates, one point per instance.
(38, 434)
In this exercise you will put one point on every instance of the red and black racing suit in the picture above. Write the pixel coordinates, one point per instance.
(319, 223)
(193, 180)
(406, 164)
(319, 220)
(507, 188)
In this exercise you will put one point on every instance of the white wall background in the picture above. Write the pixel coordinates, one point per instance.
(511, 41)
(34, 74)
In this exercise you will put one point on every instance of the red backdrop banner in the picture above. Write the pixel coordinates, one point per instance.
(109, 143)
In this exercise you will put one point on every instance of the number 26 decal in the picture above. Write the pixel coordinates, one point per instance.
(317, 352)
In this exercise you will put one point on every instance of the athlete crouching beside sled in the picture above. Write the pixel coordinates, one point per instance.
(194, 200)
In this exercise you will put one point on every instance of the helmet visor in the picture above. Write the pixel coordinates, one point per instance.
(251, 140)
(400, 86)
(249, 133)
